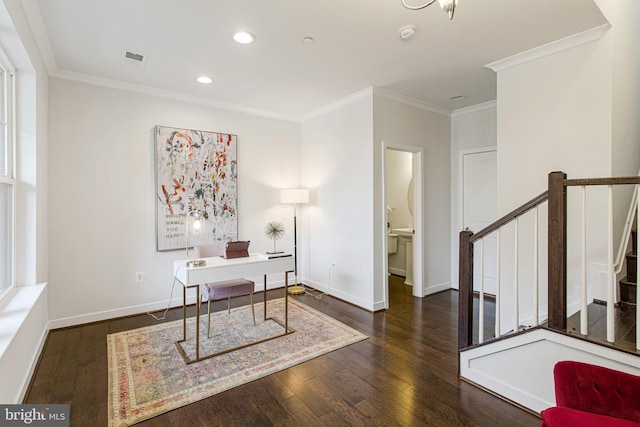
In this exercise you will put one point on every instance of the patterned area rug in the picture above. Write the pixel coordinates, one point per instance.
(148, 376)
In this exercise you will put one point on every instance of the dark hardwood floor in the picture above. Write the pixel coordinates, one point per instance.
(625, 326)
(405, 374)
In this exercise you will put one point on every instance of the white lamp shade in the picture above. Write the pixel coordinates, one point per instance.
(294, 195)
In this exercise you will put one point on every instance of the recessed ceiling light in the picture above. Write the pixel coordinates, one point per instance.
(493, 87)
(205, 80)
(457, 98)
(407, 32)
(308, 39)
(244, 37)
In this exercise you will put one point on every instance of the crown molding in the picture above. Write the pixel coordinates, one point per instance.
(33, 15)
(162, 93)
(413, 102)
(382, 93)
(474, 108)
(335, 105)
(551, 48)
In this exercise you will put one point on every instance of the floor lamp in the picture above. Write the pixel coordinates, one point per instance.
(295, 196)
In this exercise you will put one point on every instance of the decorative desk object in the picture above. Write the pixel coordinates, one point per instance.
(237, 249)
(198, 218)
(274, 230)
(295, 196)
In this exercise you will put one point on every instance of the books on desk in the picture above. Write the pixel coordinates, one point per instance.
(276, 255)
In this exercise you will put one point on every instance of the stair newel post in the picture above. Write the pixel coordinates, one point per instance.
(557, 251)
(465, 290)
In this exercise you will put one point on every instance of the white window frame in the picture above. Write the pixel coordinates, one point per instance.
(8, 82)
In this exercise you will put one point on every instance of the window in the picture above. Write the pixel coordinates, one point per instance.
(7, 177)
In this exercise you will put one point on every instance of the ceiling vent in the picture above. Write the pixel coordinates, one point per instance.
(132, 58)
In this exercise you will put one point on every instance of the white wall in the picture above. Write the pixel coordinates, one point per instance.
(337, 165)
(342, 148)
(402, 124)
(624, 16)
(101, 194)
(554, 113)
(471, 128)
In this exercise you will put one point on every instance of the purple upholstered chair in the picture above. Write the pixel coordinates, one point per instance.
(225, 289)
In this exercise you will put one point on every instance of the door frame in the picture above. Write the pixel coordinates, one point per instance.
(418, 212)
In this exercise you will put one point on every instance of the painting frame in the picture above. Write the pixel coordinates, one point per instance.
(195, 176)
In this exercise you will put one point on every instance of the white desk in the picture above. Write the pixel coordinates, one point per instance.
(217, 269)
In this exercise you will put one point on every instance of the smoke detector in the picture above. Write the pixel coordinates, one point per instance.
(407, 32)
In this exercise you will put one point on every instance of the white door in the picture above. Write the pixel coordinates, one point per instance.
(480, 208)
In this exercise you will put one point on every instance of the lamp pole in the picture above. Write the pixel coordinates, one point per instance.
(295, 196)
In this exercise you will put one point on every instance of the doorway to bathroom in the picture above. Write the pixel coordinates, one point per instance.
(402, 196)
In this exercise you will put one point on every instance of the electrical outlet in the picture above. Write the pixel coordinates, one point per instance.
(139, 277)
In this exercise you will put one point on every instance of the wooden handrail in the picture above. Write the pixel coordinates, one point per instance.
(603, 181)
(510, 216)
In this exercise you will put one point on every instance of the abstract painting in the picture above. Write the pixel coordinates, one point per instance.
(196, 174)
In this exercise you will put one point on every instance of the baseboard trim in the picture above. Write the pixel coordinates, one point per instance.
(434, 289)
(338, 294)
(98, 316)
(398, 271)
(35, 361)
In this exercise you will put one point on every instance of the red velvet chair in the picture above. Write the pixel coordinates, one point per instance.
(593, 396)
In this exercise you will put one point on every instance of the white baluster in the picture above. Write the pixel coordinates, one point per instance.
(481, 299)
(498, 283)
(516, 315)
(584, 322)
(610, 290)
(536, 321)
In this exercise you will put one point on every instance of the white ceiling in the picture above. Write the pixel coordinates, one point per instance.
(356, 45)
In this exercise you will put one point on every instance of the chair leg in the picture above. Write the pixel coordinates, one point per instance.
(229, 305)
(208, 317)
(253, 310)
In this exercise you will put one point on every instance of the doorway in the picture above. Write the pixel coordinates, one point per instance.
(403, 210)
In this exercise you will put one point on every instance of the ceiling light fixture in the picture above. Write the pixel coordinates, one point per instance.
(244, 37)
(308, 39)
(457, 98)
(205, 80)
(448, 6)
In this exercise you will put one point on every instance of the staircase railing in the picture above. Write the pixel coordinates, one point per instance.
(465, 287)
(556, 314)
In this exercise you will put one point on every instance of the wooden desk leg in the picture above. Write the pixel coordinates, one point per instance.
(184, 313)
(197, 322)
(264, 303)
